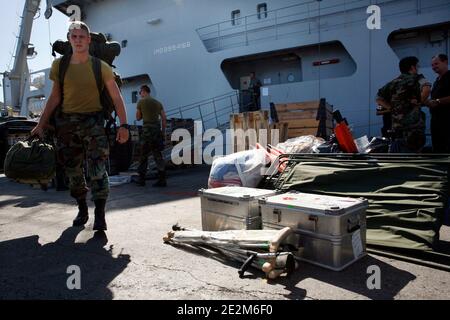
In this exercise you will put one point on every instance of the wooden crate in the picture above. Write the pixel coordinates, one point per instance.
(250, 120)
(306, 118)
(282, 128)
(177, 123)
(237, 121)
(256, 120)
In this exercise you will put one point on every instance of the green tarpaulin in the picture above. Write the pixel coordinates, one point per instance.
(407, 195)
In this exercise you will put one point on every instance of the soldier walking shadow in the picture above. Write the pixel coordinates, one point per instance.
(62, 269)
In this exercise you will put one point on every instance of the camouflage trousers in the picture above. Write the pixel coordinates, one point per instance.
(408, 141)
(409, 132)
(83, 149)
(151, 142)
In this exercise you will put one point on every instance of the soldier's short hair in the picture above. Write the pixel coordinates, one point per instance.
(146, 88)
(406, 64)
(79, 25)
(442, 57)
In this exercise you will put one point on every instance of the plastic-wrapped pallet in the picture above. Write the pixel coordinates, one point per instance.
(303, 144)
(243, 169)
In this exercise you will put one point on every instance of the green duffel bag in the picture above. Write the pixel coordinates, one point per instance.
(31, 161)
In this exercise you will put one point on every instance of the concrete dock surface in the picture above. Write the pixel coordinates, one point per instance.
(38, 244)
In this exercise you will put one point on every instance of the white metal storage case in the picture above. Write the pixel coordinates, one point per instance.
(330, 231)
(232, 208)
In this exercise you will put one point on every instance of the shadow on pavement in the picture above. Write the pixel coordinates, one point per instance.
(182, 184)
(30, 270)
(354, 278)
(251, 273)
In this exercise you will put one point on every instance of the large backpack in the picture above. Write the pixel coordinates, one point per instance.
(99, 49)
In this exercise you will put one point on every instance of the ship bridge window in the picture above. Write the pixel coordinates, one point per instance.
(235, 17)
(262, 10)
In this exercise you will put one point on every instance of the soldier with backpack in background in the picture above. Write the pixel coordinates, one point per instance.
(78, 106)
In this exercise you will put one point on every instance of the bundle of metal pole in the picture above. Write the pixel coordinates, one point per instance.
(260, 248)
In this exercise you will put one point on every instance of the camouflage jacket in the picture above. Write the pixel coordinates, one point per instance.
(400, 93)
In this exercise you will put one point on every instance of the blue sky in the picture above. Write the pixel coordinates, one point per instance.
(10, 12)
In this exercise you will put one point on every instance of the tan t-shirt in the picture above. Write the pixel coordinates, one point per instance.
(150, 109)
(80, 88)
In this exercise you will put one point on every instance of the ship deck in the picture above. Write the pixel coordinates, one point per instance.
(38, 244)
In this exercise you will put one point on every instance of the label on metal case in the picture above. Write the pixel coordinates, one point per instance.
(357, 243)
(238, 192)
(313, 201)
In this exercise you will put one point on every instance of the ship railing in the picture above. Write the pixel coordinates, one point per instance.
(213, 112)
(301, 18)
(35, 94)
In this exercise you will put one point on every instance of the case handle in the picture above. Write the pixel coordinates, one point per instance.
(278, 213)
(353, 224)
(315, 219)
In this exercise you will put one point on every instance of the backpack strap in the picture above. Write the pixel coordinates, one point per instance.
(62, 70)
(63, 66)
(97, 68)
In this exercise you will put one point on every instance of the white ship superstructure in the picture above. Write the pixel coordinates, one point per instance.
(196, 55)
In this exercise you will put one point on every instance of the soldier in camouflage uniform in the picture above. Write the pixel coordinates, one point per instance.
(152, 113)
(79, 123)
(403, 97)
(83, 136)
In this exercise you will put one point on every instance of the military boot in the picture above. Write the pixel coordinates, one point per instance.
(161, 180)
(100, 222)
(83, 214)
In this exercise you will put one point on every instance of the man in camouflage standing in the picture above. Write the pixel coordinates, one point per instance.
(79, 118)
(152, 113)
(403, 97)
